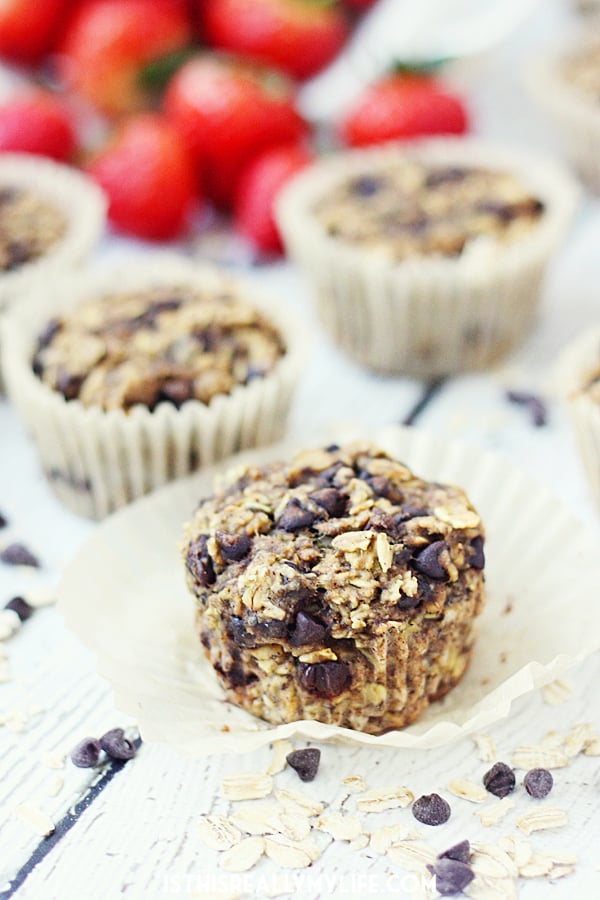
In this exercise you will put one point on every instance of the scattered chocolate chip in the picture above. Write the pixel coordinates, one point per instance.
(383, 487)
(428, 561)
(45, 337)
(410, 512)
(306, 631)
(86, 753)
(366, 185)
(331, 500)
(149, 316)
(477, 555)
(538, 783)
(199, 562)
(3, 521)
(233, 547)
(305, 762)
(239, 634)
(460, 852)
(21, 607)
(431, 809)
(237, 677)
(17, 253)
(534, 405)
(331, 448)
(295, 517)
(116, 745)
(177, 391)
(326, 679)
(380, 520)
(445, 175)
(406, 602)
(68, 384)
(272, 628)
(19, 555)
(452, 876)
(499, 780)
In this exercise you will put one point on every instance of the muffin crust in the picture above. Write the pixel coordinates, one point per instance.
(29, 227)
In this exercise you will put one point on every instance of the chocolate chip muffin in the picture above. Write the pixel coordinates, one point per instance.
(29, 227)
(412, 208)
(338, 587)
(426, 259)
(170, 343)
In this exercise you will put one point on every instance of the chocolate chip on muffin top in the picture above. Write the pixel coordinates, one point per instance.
(408, 208)
(166, 344)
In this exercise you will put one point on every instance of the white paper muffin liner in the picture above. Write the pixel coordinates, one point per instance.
(577, 363)
(427, 316)
(82, 203)
(136, 614)
(576, 116)
(97, 460)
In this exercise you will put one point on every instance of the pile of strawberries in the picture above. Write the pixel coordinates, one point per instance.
(196, 101)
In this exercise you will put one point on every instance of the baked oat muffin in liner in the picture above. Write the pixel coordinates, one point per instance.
(427, 315)
(97, 459)
(80, 201)
(578, 381)
(337, 587)
(575, 115)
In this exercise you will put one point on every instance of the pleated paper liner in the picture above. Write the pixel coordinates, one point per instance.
(427, 316)
(97, 460)
(576, 116)
(577, 364)
(541, 617)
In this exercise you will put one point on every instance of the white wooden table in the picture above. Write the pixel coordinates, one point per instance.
(131, 832)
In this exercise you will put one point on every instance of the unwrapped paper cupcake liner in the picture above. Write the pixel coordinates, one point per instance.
(427, 316)
(576, 115)
(578, 363)
(98, 460)
(541, 616)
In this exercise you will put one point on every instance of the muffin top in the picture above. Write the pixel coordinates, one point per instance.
(29, 227)
(406, 208)
(171, 344)
(582, 70)
(337, 542)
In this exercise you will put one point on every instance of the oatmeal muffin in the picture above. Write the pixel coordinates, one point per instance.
(578, 382)
(566, 84)
(426, 260)
(51, 216)
(131, 376)
(338, 587)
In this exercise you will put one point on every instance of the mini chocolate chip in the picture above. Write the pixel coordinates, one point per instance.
(239, 634)
(116, 745)
(149, 316)
(331, 500)
(295, 517)
(538, 783)
(86, 753)
(19, 555)
(21, 607)
(406, 602)
(237, 677)
(452, 876)
(410, 512)
(325, 679)
(428, 561)
(272, 628)
(306, 631)
(199, 562)
(305, 762)
(477, 556)
(45, 337)
(431, 809)
(68, 384)
(233, 547)
(460, 851)
(331, 448)
(534, 405)
(380, 520)
(499, 780)
(177, 391)
(366, 185)
(18, 253)
(3, 521)
(446, 175)
(383, 487)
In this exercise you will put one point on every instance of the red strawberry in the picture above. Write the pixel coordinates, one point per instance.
(259, 185)
(402, 105)
(108, 43)
(298, 36)
(27, 28)
(148, 177)
(229, 111)
(36, 122)
(359, 5)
